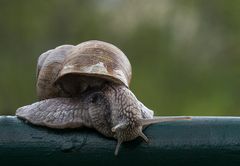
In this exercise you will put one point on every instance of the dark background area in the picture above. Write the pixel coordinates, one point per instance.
(185, 54)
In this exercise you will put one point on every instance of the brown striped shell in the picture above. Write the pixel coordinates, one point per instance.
(68, 70)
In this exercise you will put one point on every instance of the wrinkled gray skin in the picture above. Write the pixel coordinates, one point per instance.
(113, 110)
(102, 108)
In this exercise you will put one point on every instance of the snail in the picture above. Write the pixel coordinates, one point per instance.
(87, 85)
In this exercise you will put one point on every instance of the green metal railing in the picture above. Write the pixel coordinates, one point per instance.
(203, 140)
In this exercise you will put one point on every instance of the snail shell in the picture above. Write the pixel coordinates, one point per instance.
(69, 70)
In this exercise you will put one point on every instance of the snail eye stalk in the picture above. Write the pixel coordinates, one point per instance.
(159, 119)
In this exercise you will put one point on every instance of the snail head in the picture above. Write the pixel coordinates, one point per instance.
(128, 116)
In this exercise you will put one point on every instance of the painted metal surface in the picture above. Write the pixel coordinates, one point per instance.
(204, 140)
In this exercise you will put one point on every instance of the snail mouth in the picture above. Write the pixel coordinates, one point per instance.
(124, 133)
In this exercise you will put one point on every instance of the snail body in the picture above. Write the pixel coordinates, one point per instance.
(88, 86)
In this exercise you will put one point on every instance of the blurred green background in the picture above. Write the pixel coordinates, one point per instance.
(185, 54)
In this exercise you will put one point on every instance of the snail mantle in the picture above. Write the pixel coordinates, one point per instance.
(203, 140)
